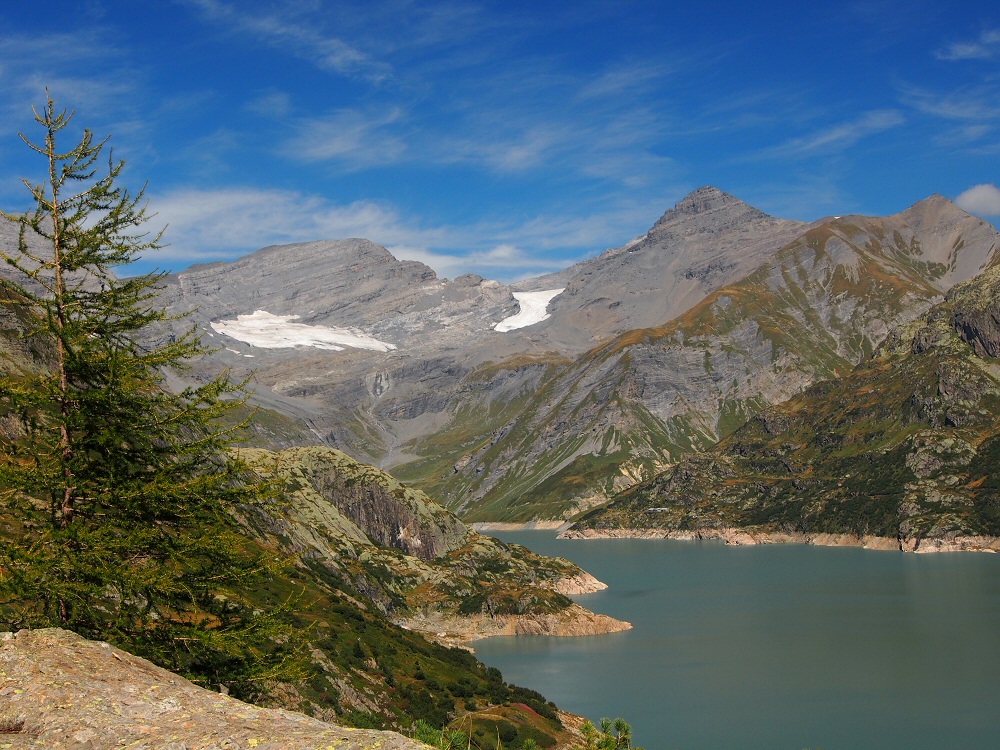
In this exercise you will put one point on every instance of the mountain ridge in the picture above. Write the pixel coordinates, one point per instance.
(899, 453)
(631, 406)
(610, 398)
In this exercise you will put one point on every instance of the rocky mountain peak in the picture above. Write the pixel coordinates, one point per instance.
(936, 209)
(707, 201)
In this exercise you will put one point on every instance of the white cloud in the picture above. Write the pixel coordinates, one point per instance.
(505, 262)
(271, 104)
(966, 103)
(209, 225)
(636, 79)
(984, 48)
(983, 200)
(67, 66)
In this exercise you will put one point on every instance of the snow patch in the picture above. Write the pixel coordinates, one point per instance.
(533, 310)
(267, 331)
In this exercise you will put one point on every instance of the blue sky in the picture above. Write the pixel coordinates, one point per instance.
(506, 138)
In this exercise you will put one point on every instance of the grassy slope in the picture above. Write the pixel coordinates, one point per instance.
(405, 552)
(364, 669)
(809, 314)
(904, 446)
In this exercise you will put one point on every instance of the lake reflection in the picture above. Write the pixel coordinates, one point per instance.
(784, 646)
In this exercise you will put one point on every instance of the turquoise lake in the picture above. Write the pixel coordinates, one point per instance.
(777, 647)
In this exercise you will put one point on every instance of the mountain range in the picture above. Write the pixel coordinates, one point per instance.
(636, 358)
(540, 400)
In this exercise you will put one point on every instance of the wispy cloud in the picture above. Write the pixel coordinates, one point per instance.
(86, 73)
(626, 80)
(270, 104)
(72, 67)
(986, 47)
(233, 221)
(356, 138)
(982, 200)
(230, 222)
(965, 135)
(533, 147)
(977, 102)
(296, 37)
(503, 262)
(837, 137)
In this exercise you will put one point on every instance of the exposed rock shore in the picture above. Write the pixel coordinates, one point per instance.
(582, 583)
(60, 690)
(751, 536)
(540, 525)
(571, 621)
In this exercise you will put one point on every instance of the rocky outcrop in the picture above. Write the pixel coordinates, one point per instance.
(387, 513)
(574, 620)
(582, 583)
(58, 690)
(976, 314)
(417, 562)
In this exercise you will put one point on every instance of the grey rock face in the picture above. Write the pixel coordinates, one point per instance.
(344, 283)
(387, 513)
(707, 240)
(813, 310)
(976, 313)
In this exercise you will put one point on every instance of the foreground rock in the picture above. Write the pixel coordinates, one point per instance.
(67, 692)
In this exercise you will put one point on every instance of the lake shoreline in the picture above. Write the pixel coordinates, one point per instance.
(752, 537)
(543, 525)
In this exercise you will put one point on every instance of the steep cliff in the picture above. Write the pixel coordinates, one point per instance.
(415, 561)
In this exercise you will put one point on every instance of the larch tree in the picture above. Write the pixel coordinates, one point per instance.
(117, 492)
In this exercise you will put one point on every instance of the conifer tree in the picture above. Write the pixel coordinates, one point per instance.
(116, 491)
